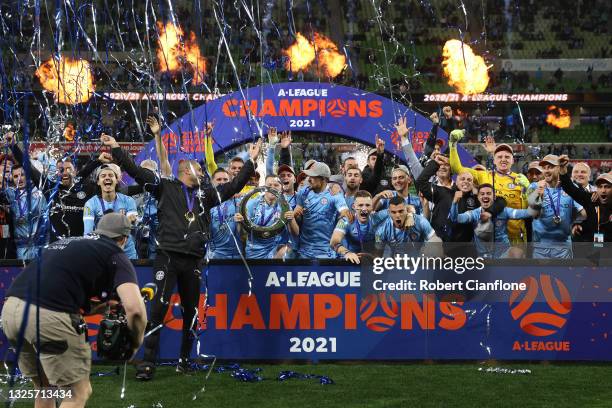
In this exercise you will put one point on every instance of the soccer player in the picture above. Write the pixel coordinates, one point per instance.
(287, 179)
(507, 184)
(401, 181)
(552, 229)
(225, 240)
(487, 228)
(265, 211)
(318, 210)
(534, 173)
(403, 226)
(27, 216)
(350, 239)
(66, 212)
(109, 200)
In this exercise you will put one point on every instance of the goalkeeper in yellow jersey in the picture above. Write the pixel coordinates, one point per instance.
(508, 184)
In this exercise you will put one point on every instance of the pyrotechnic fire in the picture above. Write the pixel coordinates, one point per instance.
(558, 117)
(466, 71)
(70, 80)
(302, 54)
(175, 52)
(331, 62)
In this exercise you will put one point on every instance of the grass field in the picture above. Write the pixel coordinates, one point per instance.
(370, 385)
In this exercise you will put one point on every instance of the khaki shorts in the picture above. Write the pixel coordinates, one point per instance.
(65, 356)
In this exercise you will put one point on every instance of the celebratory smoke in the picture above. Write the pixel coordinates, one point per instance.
(70, 80)
(558, 117)
(466, 71)
(175, 53)
(302, 53)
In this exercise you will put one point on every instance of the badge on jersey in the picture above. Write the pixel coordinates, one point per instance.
(81, 195)
(324, 201)
(511, 186)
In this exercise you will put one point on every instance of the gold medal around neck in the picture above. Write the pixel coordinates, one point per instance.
(190, 216)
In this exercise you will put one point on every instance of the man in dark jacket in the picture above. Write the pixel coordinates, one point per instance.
(184, 229)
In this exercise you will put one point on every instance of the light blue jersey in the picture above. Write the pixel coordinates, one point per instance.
(222, 244)
(320, 213)
(550, 239)
(358, 235)
(411, 199)
(264, 215)
(502, 241)
(96, 207)
(27, 221)
(421, 231)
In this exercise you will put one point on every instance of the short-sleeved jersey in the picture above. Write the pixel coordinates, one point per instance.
(357, 234)
(26, 220)
(421, 231)
(555, 202)
(265, 215)
(223, 230)
(320, 213)
(96, 207)
(501, 220)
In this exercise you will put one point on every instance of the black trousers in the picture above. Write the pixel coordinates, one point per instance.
(170, 269)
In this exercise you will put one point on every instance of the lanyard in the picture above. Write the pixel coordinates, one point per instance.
(104, 207)
(361, 235)
(557, 210)
(262, 221)
(189, 198)
(597, 211)
(222, 215)
(292, 200)
(22, 210)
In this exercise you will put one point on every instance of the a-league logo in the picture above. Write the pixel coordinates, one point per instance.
(389, 307)
(541, 323)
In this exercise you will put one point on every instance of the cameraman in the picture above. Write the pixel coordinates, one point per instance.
(72, 271)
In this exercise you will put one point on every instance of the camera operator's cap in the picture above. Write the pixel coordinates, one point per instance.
(284, 167)
(505, 147)
(309, 163)
(110, 166)
(113, 225)
(318, 169)
(534, 165)
(371, 152)
(550, 159)
(604, 178)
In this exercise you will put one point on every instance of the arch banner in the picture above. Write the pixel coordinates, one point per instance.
(242, 116)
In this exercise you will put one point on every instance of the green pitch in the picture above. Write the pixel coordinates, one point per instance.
(369, 385)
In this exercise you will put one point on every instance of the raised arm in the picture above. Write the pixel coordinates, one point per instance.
(413, 162)
(227, 190)
(371, 183)
(9, 140)
(285, 156)
(209, 153)
(160, 148)
(579, 195)
(143, 176)
(422, 183)
(272, 140)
